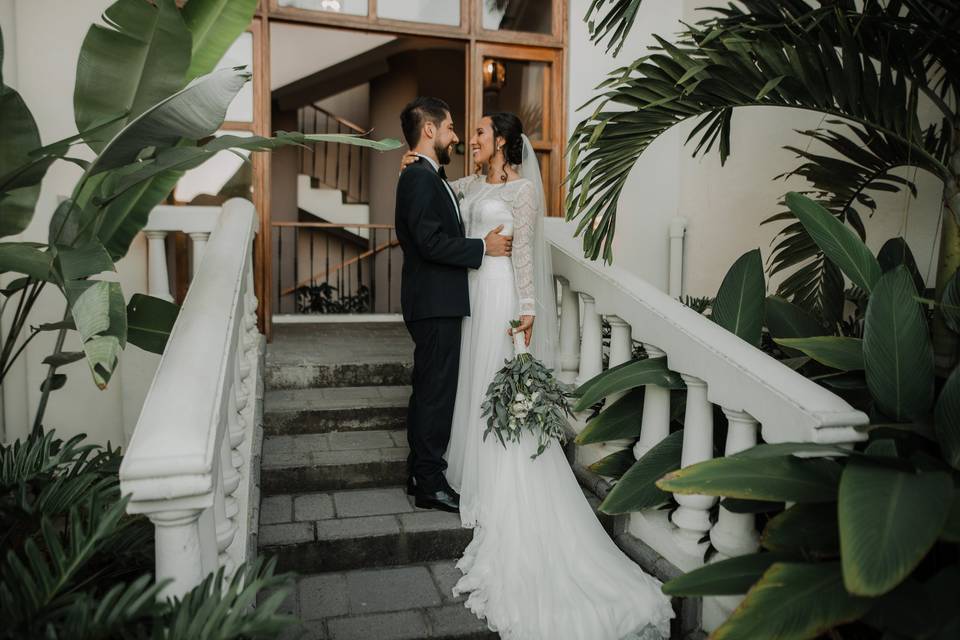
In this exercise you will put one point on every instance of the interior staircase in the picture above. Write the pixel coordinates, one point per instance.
(369, 565)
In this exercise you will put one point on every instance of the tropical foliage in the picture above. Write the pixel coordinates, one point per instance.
(74, 566)
(875, 70)
(147, 102)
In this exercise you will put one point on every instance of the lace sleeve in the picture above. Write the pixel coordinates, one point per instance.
(524, 224)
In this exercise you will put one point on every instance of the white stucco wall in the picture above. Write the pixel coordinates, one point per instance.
(723, 206)
(42, 41)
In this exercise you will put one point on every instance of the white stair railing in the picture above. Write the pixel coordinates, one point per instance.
(188, 465)
(757, 393)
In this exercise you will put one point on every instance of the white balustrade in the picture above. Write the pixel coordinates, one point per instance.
(569, 333)
(187, 466)
(197, 222)
(759, 395)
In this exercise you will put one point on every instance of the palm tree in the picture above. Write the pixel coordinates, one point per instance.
(870, 67)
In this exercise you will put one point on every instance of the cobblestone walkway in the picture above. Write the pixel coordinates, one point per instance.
(370, 565)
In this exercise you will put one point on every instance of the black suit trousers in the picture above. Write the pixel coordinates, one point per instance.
(436, 364)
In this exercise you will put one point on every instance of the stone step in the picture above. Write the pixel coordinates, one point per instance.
(359, 528)
(398, 603)
(336, 460)
(299, 411)
(303, 356)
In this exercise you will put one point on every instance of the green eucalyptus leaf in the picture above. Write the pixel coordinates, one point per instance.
(738, 307)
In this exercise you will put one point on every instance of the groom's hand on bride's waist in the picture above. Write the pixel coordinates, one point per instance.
(497, 245)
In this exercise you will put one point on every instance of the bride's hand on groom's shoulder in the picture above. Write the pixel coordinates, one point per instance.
(408, 158)
(526, 326)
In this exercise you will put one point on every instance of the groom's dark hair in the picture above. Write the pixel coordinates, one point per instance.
(420, 110)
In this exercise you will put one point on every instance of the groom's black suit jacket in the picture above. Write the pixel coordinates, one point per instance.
(436, 254)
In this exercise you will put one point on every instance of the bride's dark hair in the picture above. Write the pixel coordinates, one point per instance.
(508, 126)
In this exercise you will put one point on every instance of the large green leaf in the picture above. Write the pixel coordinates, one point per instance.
(627, 376)
(896, 252)
(100, 316)
(951, 529)
(25, 258)
(777, 479)
(621, 419)
(138, 59)
(738, 307)
(950, 302)
(793, 601)
(839, 352)
(889, 520)
(787, 320)
(87, 260)
(19, 133)
(725, 577)
(126, 216)
(896, 348)
(149, 322)
(194, 112)
(837, 241)
(947, 419)
(215, 25)
(807, 529)
(614, 465)
(637, 490)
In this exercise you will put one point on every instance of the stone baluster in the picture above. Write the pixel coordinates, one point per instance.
(199, 241)
(591, 346)
(569, 333)
(692, 518)
(621, 351)
(181, 554)
(735, 534)
(158, 279)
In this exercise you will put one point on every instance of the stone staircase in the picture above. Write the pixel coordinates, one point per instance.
(334, 509)
(369, 565)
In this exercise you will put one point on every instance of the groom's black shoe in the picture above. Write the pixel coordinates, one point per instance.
(440, 499)
(411, 486)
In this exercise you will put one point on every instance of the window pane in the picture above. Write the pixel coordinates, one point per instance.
(516, 86)
(350, 7)
(240, 54)
(220, 178)
(534, 16)
(428, 11)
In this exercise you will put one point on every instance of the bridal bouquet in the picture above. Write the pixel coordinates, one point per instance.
(525, 395)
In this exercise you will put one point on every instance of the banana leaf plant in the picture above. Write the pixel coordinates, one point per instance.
(874, 70)
(147, 102)
(869, 545)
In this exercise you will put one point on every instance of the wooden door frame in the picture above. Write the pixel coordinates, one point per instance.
(551, 48)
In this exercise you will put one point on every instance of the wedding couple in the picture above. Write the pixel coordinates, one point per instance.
(540, 565)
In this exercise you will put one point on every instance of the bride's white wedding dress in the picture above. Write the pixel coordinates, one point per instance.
(540, 566)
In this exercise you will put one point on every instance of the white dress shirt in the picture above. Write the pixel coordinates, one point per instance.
(436, 167)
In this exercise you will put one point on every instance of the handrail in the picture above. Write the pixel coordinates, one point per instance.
(183, 459)
(350, 125)
(343, 265)
(789, 406)
(331, 225)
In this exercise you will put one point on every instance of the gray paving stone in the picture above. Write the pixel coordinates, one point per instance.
(429, 521)
(401, 625)
(275, 509)
(304, 631)
(371, 502)
(446, 575)
(313, 506)
(454, 620)
(291, 533)
(343, 440)
(391, 590)
(304, 443)
(348, 528)
(395, 453)
(399, 438)
(323, 596)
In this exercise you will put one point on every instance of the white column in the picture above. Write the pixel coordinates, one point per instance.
(199, 241)
(158, 279)
(569, 333)
(734, 534)
(693, 516)
(178, 550)
(655, 425)
(621, 351)
(591, 346)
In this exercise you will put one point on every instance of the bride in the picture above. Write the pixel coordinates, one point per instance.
(540, 565)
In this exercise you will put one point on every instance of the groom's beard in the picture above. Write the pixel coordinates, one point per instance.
(443, 154)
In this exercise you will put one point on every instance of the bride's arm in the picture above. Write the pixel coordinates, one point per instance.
(524, 224)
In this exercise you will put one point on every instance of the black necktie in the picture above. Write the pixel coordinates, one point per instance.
(442, 173)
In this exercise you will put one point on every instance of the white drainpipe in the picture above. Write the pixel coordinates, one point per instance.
(678, 227)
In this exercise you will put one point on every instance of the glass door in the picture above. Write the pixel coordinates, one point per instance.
(525, 81)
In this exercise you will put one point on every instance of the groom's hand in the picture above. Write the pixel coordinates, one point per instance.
(526, 326)
(498, 245)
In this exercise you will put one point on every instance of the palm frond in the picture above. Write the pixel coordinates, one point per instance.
(787, 54)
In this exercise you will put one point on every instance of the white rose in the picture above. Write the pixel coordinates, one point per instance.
(520, 397)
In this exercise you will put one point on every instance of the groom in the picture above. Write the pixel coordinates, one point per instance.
(433, 293)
